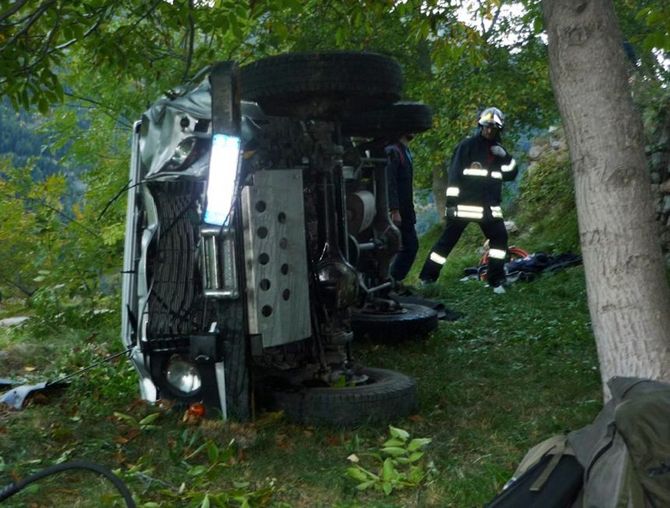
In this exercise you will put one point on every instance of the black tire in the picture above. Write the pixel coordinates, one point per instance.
(324, 85)
(175, 304)
(389, 396)
(411, 322)
(399, 118)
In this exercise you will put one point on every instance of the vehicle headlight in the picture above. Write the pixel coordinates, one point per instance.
(181, 155)
(223, 163)
(183, 375)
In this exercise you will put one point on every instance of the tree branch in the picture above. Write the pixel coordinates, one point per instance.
(86, 34)
(31, 21)
(487, 33)
(108, 110)
(13, 9)
(146, 14)
(190, 41)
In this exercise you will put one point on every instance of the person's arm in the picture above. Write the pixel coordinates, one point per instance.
(507, 162)
(458, 161)
(392, 169)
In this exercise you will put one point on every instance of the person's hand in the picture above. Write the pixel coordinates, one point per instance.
(395, 217)
(450, 212)
(498, 151)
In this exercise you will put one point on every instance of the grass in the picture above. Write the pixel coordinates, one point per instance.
(514, 370)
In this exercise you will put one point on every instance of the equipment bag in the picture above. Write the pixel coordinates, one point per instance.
(621, 460)
(626, 450)
(549, 476)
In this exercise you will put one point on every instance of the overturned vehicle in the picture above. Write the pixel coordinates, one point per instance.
(239, 284)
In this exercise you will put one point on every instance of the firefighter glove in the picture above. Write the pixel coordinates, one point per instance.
(498, 151)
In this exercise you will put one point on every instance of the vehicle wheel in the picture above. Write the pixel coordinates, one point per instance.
(410, 322)
(324, 85)
(174, 304)
(388, 396)
(399, 118)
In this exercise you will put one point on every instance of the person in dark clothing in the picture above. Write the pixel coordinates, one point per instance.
(400, 174)
(478, 167)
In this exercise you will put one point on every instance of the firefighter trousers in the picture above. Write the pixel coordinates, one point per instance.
(495, 232)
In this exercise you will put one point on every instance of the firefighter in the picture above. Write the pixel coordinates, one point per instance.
(478, 167)
(400, 174)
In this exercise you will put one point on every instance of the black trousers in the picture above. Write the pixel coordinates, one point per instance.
(493, 229)
(407, 254)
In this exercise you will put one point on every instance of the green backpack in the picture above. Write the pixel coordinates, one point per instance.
(621, 460)
(626, 450)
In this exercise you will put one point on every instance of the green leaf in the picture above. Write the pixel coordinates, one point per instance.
(198, 470)
(340, 35)
(387, 488)
(415, 456)
(398, 433)
(42, 105)
(212, 452)
(294, 5)
(205, 502)
(357, 474)
(149, 419)
(418, 443)
(126, 418)
(365, 485)
(394, 451)
(389, 472)
(394, 442)
(196, 451)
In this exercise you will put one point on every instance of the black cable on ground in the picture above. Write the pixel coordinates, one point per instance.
(13, 488)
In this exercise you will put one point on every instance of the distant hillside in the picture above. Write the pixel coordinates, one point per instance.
(20, 139)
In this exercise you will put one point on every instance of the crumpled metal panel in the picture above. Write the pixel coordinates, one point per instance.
(15, 397)
(162, 131)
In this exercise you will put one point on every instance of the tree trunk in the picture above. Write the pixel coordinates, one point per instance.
(439, 186)
(628, 293)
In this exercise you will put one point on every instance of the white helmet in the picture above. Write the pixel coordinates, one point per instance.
(492, 116)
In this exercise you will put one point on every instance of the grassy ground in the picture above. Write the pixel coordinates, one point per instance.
(517, 368)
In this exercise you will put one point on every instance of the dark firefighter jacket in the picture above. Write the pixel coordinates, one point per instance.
(475, 179)
(400, 174)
